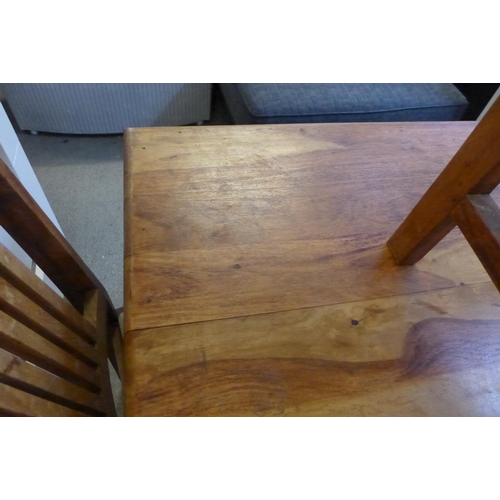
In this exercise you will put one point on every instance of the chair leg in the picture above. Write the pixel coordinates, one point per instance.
(96, 309)
(115, 350)
(475, 169)
(478, 217)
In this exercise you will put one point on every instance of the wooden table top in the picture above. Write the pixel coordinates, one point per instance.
(258, 280)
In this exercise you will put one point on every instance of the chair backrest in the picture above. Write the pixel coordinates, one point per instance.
(53, 350)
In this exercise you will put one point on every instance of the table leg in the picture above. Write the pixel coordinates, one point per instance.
(475, 169)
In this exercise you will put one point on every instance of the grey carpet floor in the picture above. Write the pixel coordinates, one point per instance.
(83, 180)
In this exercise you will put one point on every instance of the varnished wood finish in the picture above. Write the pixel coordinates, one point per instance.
(258, 280)
(53, 351)
(31, 286)
(19, 307)
(430, 353)
(475, 169)
(24, 404)
(478, 216)
(41, 359)
(29, 345)
(95, 311)
(230, 221)
(19, 373)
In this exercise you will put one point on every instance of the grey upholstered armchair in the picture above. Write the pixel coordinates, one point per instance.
(98, 108)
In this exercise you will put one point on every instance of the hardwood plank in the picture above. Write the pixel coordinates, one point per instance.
(222, 147)
(224, 224)
(16, 273)
(282, 216)
(20, 307)
(431, 353)
(23, 219)
(315, 210)
(27, 344)
(200, 285)
(475, 169)
(16, 372)
(219, 185)
(478, 217)
(18, 402)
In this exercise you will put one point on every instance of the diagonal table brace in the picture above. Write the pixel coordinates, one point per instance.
(474, 170)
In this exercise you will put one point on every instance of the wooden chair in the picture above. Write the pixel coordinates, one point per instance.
(460, 196)
(53, 351)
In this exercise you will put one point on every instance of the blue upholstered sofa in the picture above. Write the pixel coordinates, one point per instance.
(342, 102)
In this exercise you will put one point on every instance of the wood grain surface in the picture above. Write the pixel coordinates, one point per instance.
(283, 216)
(258, 280)
(21, 308)
(19, 373)
(28, 344)
(26, 281)
(16, 402)
(430, 353)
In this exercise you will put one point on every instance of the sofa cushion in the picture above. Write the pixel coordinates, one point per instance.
(289, 102)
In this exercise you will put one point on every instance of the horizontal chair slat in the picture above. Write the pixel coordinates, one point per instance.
(17, 372)
(14, 271)
(16, 402)
(20, 307)
(53, 349)
(27, 344)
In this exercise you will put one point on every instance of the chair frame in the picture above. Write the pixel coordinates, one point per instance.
(86, 317)
(460, 196)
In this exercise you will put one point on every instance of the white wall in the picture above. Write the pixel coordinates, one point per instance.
(12, 153)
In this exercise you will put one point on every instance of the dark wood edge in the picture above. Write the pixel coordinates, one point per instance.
(478, 217)
(26, 222)
(115, 350)
(96, 311)
(127, 147)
